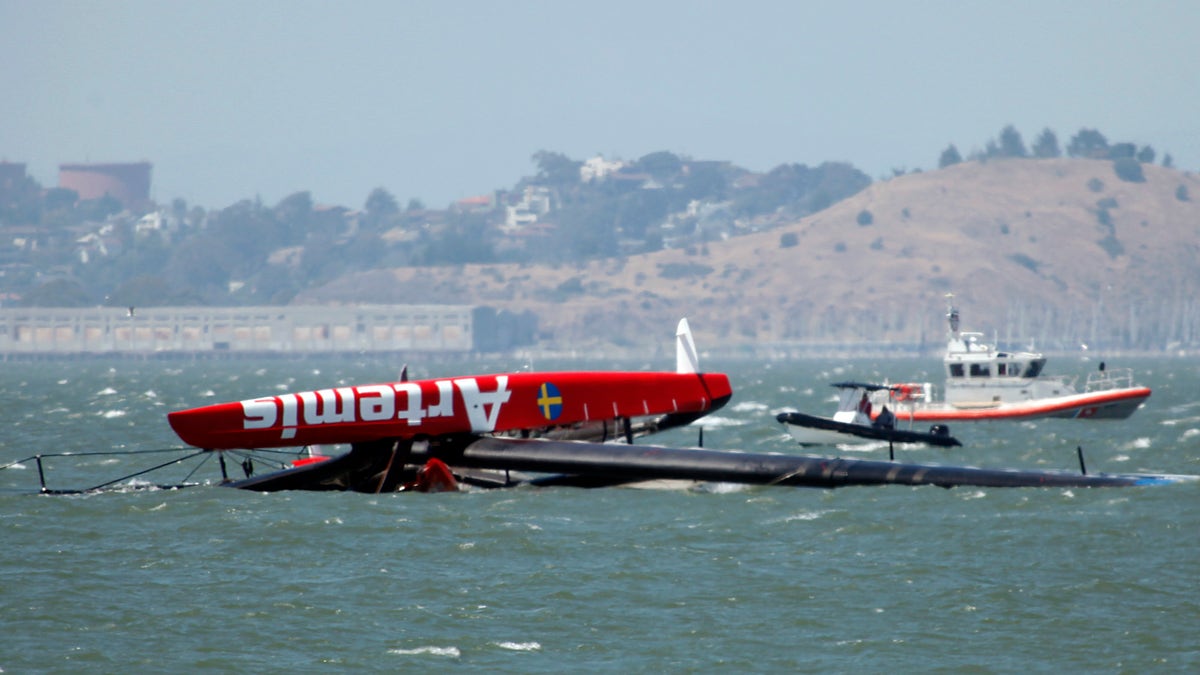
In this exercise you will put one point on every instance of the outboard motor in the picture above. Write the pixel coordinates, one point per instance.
(939, 430)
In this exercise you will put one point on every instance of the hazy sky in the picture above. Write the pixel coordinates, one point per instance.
(232, 99)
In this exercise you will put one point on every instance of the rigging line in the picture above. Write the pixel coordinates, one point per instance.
(96, 453)
(265, 451)
(19, 462)
(253, 455)
(146, 471)
(196, 468)
(93, 453)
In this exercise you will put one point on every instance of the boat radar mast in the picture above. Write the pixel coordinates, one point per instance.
(952, 315)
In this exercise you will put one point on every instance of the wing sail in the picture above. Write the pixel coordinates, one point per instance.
(644, 462)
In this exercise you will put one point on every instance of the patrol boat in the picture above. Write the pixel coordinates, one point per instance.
(984, 383)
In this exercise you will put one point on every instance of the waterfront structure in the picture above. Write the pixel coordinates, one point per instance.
(62, 331)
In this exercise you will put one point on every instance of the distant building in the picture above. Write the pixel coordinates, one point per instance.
(41, 332)
(129, 183)
(534, 203)
(154, 221)
(597, 168)
(195, 330)
(12, 175)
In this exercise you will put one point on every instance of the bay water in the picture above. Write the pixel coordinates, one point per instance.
(766, 579)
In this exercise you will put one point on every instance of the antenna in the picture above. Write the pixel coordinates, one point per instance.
(952, 313)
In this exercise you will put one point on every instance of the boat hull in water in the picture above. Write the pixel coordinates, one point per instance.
(1108, 405)
(814, 430)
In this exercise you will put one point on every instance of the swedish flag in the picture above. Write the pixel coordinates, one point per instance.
(549, 401)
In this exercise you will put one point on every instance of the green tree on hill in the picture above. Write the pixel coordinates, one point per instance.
(1122, 151)
(664, 167)
(1129, 170)
(58, 293)
(380, 211)
(1011, 143)
(1088, 144)
(556, 169)
(949, 157)
(1046, 145)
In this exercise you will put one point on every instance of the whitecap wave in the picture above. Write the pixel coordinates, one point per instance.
(1140, 443)
(804, 515)
(519, 646)
(870, 446)
(749, 406)
(429, 650)
(715, 421)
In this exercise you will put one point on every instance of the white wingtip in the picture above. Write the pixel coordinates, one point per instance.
(686, 360)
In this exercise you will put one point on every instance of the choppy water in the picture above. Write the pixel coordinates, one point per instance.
(209, 579)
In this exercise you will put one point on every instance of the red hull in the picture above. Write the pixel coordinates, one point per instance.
(459, 405)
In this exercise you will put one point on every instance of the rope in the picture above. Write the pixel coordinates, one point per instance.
(197, 467)
(193, 453)
(96, 453)
(146, 471)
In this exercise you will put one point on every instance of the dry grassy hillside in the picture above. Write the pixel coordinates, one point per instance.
(1033, 249)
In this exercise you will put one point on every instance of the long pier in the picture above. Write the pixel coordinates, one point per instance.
(38, 332)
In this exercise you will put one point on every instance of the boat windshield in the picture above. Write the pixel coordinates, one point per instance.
(1034, 368)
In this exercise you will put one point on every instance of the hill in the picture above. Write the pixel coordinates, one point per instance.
(1057, 251)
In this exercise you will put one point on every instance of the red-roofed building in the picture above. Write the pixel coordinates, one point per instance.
(476, 204)
(129, 183)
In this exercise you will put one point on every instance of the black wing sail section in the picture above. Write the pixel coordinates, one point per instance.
(612, 464)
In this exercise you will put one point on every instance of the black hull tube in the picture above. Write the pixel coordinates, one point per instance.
(607, 464)
(943, 440)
